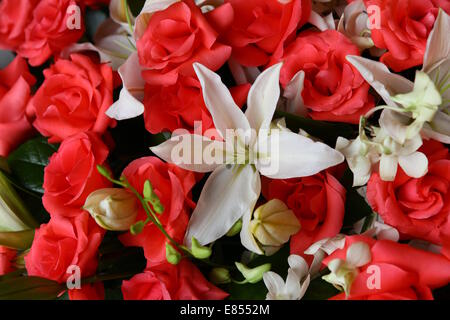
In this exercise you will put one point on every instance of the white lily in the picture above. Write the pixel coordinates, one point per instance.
(436, 65)
(232, 190)
(297, 281)
(344, 272)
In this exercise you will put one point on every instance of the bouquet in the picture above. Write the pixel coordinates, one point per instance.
(224, 149)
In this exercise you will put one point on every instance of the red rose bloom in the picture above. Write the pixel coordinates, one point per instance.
(175, 38)
(403, 30)
(48, 33)
(72, 175)
(64, 242)
(173, 187)
(400, 279)
(168, 108)
(333, 89)
(6, 256)
(418, 208)
(74, 98)
(317, 201)
(15, 82)
(179, 106)
(258, 29)
(14, 18)
(168, 282)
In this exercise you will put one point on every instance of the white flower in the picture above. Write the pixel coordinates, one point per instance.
(321, 249)
(354, 24)
(344, 272)
(436, 65)
(363, 154)
(112, 208)
(296, 284)
(232, 190)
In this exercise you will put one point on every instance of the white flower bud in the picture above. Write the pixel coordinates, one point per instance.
(113, 209)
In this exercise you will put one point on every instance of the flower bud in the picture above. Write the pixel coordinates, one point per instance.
(253, 275)
(273, 223)
(113, 209)
(199, 251)
(172, 255)
(235, 229)
(220, 276)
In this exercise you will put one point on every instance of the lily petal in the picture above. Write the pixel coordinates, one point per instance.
(285, 155)
(263, 98)
(439, 128)
(293, 92)
(438, 46)
(228, 194)
(384, 82)
(224, 111)
(118, 13)
(131, 96)
(192, 152)
(415, 165)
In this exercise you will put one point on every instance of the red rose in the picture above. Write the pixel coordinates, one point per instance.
(72, 175)
(62, 243)
(168, 108)
(52, 28)
(418, 208)
(317, 201)
(168, 282)
(14, 18)
(175, 38)
(258, 29)
(404, 26)
(333, 89)
(88, 291)
(399, 277)
(178, 106)
(173, 187)
(15, 82)
(6, 256)
(74, 98)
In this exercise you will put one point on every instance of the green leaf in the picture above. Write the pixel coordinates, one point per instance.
(326, 131)
(28, 162)
(29, 288)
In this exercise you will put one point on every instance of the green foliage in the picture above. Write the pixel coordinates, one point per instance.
(19, 287)
(27, 163)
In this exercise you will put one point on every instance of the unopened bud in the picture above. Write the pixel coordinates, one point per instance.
(253, 275)
(113, 209)
(220, 276)
(199, 251)
(273, 223)
(172, 255)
